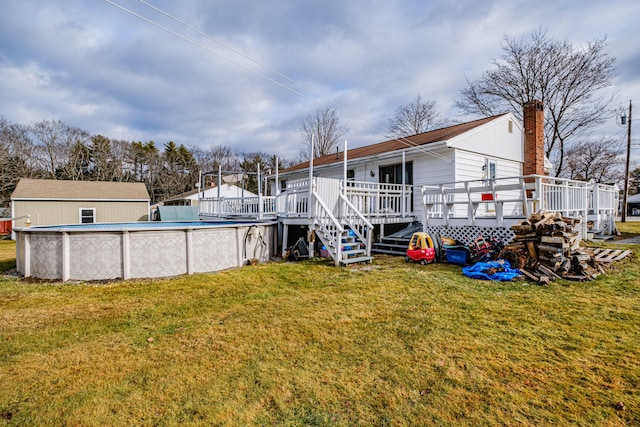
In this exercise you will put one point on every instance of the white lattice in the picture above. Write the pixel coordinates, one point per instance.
(467, 234)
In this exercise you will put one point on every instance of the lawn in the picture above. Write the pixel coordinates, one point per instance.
(307, 343)
(628, 229)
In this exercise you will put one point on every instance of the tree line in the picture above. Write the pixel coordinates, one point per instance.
(52, 149)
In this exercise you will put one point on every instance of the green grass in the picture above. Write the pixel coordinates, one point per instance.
(310, 344)
(628, 229)
(7, 255)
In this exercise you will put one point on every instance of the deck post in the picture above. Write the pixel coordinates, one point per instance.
(277, 179)
(523, 194)
(595, 196)
(445, 206)
(344, 170)
(260, 207)
(497, 204)
(403, 199)
(471, 207)
(309, 204)
(219, 181)
(538, 200)
(285, 237)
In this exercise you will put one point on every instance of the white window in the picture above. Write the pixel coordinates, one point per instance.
(489, 172)
(492, 166)
(351, 174)
(87, 215)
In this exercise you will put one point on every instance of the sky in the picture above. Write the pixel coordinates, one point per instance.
(244, 73)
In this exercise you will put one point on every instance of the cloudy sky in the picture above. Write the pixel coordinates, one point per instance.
(244, 73)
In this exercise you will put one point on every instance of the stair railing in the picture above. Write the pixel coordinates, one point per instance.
(357, 222)
(327, 228)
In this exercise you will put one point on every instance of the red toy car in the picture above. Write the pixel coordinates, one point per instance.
(421, 249)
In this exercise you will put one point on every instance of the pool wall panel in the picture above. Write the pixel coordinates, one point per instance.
(214, 249)
(46, 256)
(158, 253)
(95, 255)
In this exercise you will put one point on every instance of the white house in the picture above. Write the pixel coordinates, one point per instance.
(484, 149)
(191, 198)
(488, 168)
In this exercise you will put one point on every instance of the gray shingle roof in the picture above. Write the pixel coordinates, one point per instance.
(396, 144)
(55, 189)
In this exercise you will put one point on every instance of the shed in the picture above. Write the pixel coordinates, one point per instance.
(633, 205)
(54, 202)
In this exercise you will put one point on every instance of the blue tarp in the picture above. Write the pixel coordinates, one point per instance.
(491, 270)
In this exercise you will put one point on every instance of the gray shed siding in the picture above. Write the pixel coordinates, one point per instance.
(54, 212)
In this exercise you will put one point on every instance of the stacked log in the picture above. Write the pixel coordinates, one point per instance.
(547, 247)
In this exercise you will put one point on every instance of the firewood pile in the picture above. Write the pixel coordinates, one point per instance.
(547, 247)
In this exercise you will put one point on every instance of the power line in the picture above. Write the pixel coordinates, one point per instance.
(319, 96)
(188, 40)
(402, 140)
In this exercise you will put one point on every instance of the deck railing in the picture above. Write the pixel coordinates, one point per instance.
(294, 200)
(467, 201)
(379, 199)
(517, 197)
(256, 207)
(373, 200)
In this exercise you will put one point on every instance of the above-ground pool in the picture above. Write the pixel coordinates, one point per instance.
(140, 249)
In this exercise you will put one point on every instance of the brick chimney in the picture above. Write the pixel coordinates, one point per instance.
(533, 138)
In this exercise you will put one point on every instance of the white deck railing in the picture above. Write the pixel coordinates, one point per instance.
(255, 207)
(379, 200)
(469, 202)
(517, 197)
(294, 200)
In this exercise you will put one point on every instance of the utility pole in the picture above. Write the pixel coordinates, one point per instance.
(626, 169)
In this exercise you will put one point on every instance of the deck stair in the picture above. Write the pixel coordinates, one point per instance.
(396, 243)
(347, 238)
(351, 249)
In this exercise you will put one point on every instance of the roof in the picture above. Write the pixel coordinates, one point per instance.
(224, 188)
(417, 140)
(634, 199)
(56, 189)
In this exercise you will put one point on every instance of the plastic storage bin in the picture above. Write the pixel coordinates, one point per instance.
(458, 256)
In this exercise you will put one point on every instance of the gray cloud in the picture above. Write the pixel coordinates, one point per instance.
(101, 69)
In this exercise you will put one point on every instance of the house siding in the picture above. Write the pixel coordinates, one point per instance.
(50, 212)
(494, 140)
(469, 166)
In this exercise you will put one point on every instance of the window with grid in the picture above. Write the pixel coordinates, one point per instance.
(87, 215)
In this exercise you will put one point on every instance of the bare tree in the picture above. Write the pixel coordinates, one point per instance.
(15, 152)
(325, 129)
(567, 79)
(597, 159)
(416, 117)
(52, 144)
(634, 181)
(103, 167)
(78, 163)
